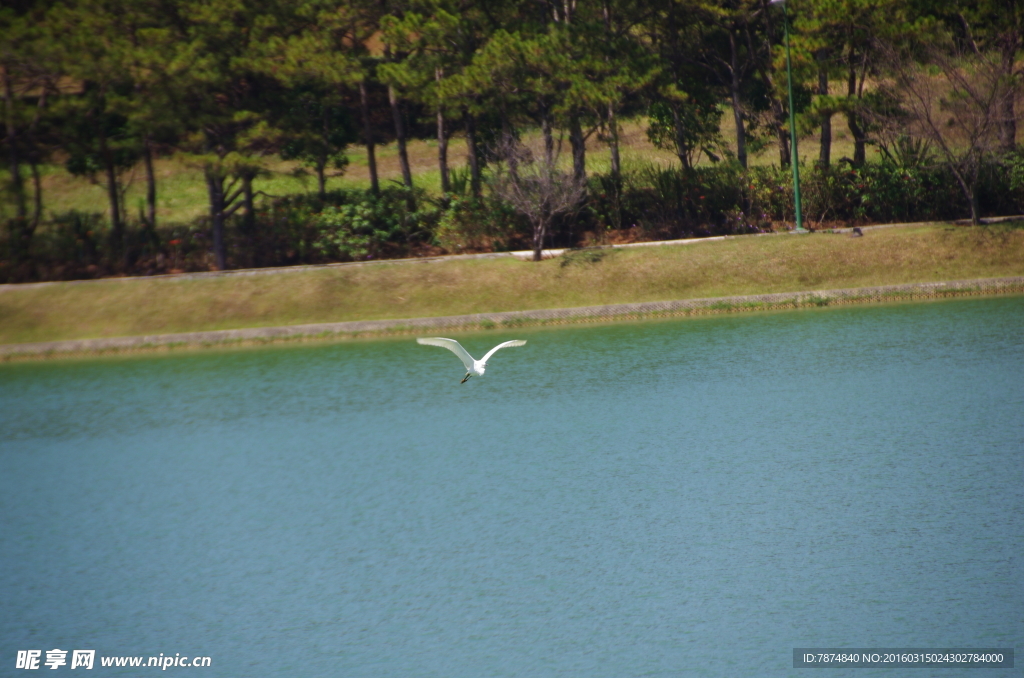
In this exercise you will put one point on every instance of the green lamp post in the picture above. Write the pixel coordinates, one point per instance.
(794, 157)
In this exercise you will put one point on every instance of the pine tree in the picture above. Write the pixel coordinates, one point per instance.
(28, 79)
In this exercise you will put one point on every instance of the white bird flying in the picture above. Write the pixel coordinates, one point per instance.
(474, 368)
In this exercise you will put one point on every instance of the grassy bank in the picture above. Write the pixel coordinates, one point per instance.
(748, 265)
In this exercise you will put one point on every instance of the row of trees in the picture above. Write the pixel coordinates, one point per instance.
(104, 85)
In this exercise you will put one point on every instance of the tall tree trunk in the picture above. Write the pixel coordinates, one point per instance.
(14, 164)
(442, 153)
(249, 202)
(442, 139)
(546, 132)
(403, 155)
(969, 187)
(321, 178)
(825, 150)
(613, 128)
(37, 185)
(781, 133)
(1008, 120)
(579, 148)
(147, 156)
(510, 145)
(779, 113)
(852, 119)
(680, 129)
(248, 226)
(371, 156)
(613, 143)
(538, 240)
(737, 109)
(473, 155)
(1008, 126)
(215, 186)
(34, 162)
(116, 223)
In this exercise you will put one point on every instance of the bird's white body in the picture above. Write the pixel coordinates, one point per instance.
(474, 368)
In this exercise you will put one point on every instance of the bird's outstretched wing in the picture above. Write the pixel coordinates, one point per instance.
(452, 346)
(514, 342)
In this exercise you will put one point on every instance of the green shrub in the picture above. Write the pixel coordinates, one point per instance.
(769, 194)
(881, 192)
(673, 202)
(344, 225)
(469, 224)
(345, 233)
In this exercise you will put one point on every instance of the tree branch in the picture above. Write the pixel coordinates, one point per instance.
(228, 212)
(234, 196)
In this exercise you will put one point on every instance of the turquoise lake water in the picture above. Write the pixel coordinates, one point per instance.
(691, 497)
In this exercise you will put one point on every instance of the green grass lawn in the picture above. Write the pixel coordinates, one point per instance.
(747, 265)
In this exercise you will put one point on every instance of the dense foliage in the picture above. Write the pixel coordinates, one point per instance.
(102, 86)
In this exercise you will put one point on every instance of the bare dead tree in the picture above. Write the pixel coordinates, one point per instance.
(955, 100)
(535, 188)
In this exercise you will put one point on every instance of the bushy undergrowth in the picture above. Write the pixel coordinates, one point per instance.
(484, 224)
(883, 193)
(649, 201)
(676, 203)
(347, 225)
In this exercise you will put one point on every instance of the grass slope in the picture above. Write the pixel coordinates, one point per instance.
(749, 265)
